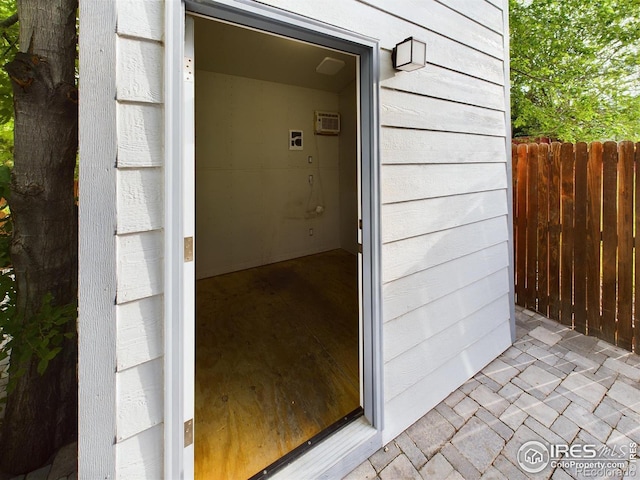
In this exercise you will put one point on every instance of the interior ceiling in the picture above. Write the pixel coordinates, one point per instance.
(233, 50)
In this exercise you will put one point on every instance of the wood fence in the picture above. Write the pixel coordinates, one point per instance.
(576, 209)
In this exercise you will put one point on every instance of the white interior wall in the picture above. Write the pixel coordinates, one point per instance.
(254, 202)
(348, 169)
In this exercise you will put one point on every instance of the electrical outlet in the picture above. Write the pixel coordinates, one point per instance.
(310, 179)
(310, 159)
(311, 232)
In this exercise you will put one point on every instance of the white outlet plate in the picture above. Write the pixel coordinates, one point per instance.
(296, 140)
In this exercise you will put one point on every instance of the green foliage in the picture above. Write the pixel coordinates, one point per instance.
(575, 69)
(8, 48)
(6, 225)
(40, 336)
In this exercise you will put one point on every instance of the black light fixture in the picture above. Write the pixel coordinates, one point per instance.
(410, 54)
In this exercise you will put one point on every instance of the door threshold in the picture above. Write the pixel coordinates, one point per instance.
(341, 451)
(300, 450)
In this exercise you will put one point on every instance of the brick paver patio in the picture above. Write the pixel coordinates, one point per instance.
(553, 385)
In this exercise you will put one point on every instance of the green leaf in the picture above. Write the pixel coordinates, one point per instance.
(42, 365)
(574, 69)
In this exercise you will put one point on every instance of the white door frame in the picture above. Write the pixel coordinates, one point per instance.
(179, 209)
(179, 328)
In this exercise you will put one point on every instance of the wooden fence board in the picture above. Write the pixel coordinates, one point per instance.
(609, 239)
(514, 193)
(594, 191)
(543, 230)
(576, 218)
(532, 237)
(636, 325)
(554, 232)
(624, 335)
(521, 245)
(580, 240)
(567, 161)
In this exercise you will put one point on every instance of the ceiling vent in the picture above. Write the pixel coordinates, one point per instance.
(329, 66)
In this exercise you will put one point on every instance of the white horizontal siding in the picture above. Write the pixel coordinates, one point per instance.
(419, 217)
(139, 72)
(445, 21)
(479, 10)
(401, 183)
(405, 332)
(402, 146)
(140, 199)
(140, 258)
(404, 409)
(139, 332)
(139, 398)
(140, 131)
(499, 4)
(139, 240)
(402, 109)
(439, 82)
(414, 291)
(141, 456)
(417, 363)
(390, 30)
(141, 18)
(415, 254)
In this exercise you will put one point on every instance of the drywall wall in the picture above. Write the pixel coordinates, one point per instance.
(255, 202)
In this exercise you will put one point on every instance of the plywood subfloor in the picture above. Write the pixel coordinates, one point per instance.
(276, 360)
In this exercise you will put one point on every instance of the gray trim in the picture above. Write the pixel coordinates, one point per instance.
(281, 22)
(97, 242)
(507, 122)
(266, 18)
(174, 461)
(371, 237)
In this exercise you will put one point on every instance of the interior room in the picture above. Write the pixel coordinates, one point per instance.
(277, 274)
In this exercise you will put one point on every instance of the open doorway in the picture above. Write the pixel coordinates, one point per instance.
(278, 308)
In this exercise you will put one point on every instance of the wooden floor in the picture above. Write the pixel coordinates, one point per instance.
(276, 360)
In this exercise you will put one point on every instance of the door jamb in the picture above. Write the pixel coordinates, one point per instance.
(178, 460)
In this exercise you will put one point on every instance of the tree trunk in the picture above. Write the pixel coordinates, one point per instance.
(41, 413)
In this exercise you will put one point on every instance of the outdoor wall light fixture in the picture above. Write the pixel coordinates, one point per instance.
(410, 54)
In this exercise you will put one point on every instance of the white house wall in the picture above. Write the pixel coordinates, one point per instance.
(139, 239)
(444, 216)
(445, 252)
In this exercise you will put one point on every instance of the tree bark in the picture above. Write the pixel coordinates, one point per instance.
(41, 413)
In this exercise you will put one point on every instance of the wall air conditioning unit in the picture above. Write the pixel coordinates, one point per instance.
(327, 123)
